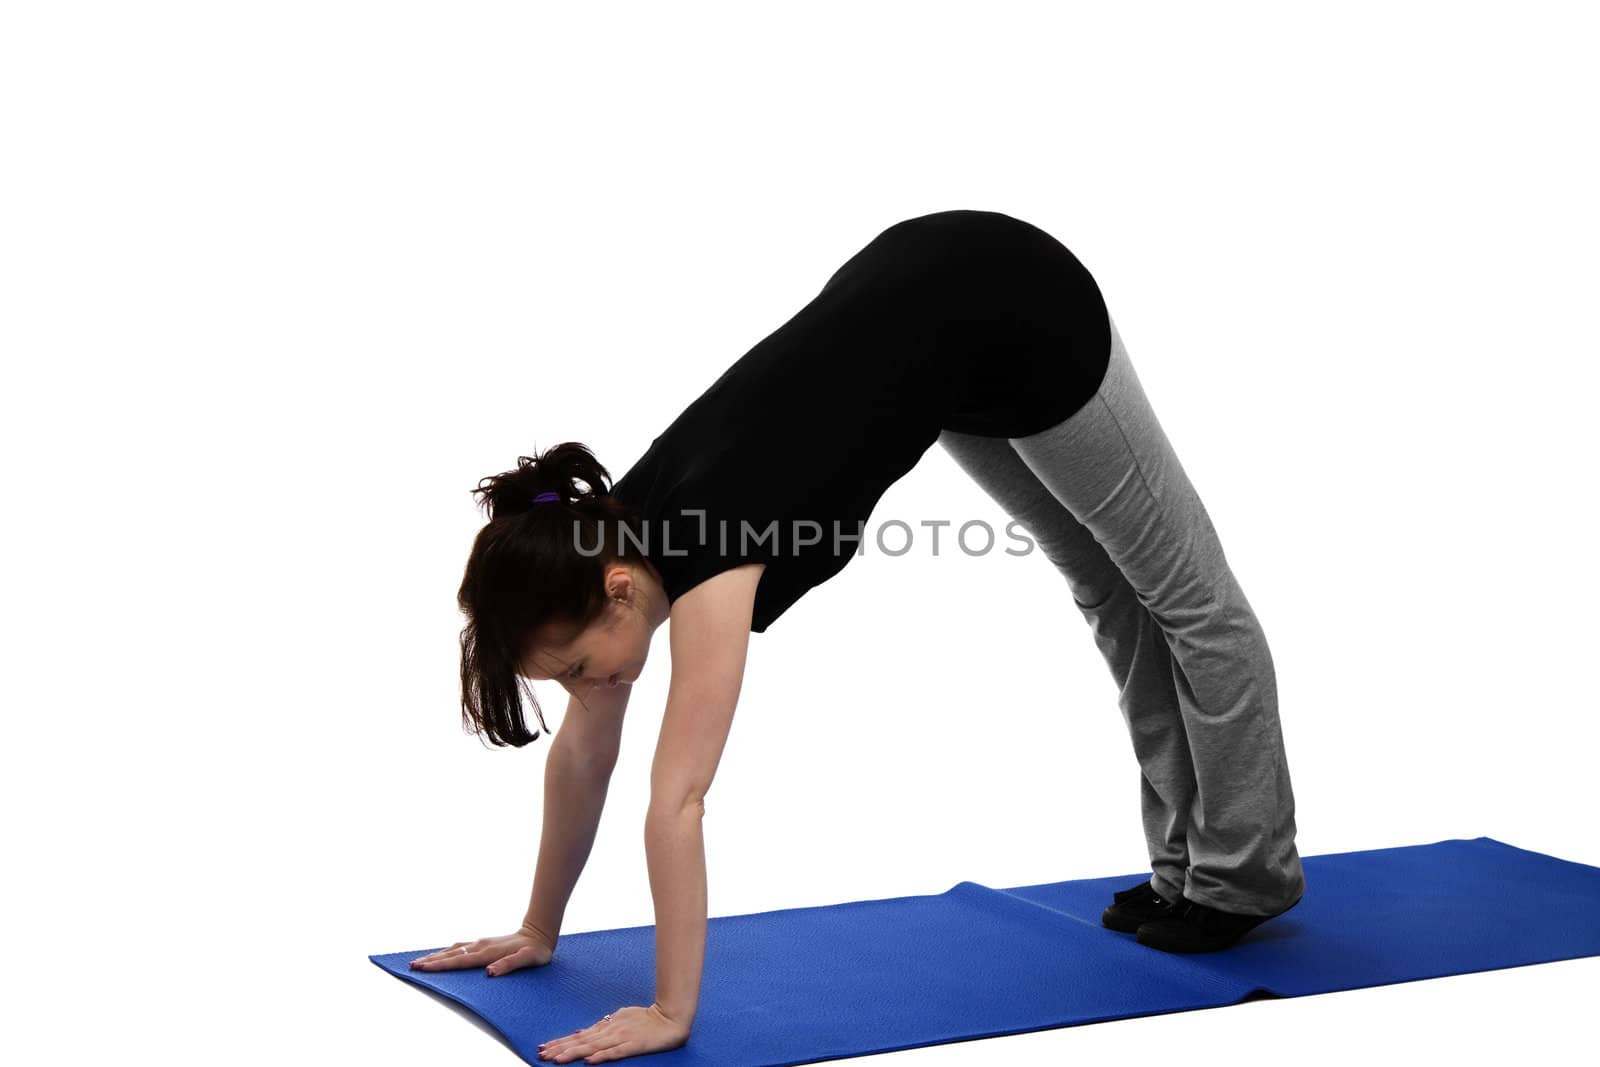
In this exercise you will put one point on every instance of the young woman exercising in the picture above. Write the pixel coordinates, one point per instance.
(970, 328)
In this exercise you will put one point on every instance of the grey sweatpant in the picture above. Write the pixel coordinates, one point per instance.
(1107, 501)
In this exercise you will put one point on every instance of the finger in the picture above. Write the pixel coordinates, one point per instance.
(457, 960)
(574, 1041)
(556, 1046)
(440, 952)
(559, 1045)
(614, 1051)
(581, 1049)
(511, 961)
(565, 1049)
(559, 1051)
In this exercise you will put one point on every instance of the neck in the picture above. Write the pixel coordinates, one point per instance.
(659, 609)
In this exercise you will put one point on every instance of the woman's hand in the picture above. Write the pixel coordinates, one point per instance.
(527, 947)
(625, 1032)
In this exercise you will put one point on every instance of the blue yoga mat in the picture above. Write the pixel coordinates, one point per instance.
(808, 984)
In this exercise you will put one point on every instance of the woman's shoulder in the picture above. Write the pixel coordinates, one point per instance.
(722, 606)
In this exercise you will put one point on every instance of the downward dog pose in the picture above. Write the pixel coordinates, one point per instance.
(970, 328)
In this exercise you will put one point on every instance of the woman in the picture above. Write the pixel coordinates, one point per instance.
(971, 328)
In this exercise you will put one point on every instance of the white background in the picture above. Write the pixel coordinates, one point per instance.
(283, 281)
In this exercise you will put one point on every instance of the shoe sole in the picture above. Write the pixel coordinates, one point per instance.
(1154, 937)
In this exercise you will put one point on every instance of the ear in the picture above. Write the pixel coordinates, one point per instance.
(620, 583)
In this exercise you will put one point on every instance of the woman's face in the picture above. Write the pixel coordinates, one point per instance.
(610, 652)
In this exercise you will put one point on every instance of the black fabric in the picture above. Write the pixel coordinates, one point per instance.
(971, 321)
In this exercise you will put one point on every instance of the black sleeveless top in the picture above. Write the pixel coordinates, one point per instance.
(970, 321)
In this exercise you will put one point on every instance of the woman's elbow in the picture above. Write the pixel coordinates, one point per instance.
(673, 802)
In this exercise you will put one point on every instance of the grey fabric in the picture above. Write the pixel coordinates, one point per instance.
(1105, 498)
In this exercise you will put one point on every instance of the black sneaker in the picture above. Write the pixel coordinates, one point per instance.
(1134, 907)
(1192, 927)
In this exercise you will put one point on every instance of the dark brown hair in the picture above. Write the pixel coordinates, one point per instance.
(525, 572)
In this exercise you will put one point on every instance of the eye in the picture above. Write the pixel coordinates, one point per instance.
(576, 671)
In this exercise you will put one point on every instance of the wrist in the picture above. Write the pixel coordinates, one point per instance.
(539, 933)
(682, 1021)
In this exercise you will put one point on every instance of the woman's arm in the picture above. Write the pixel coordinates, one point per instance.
(577, 774)
(710, 636)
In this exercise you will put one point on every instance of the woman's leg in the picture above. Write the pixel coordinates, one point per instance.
(1128, 637)
(1111, 465)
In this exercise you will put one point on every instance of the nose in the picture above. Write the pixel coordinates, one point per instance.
(612, 682)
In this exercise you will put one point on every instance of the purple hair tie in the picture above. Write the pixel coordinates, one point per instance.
(542, 497)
